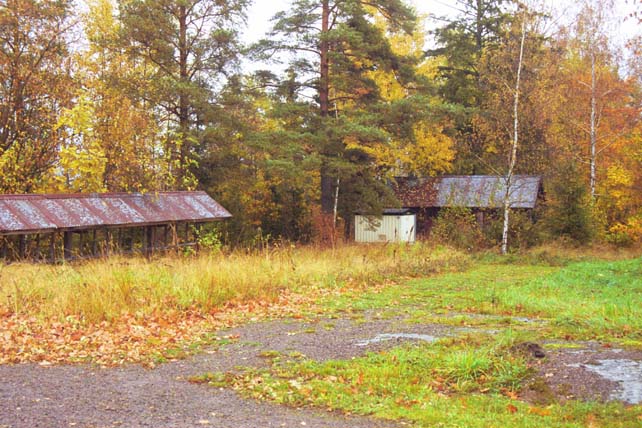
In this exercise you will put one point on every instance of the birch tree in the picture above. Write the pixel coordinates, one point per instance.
(513, 153)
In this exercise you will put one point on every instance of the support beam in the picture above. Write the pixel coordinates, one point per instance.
(197, 233)
(174, 227)
(52, 247)
(3, 249)
(108, 239)
(22, 244)
(94, 244)
(149, 241)
(66, 243)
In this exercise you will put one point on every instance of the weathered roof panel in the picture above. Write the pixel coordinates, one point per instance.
(40, 213)
(475, 191)
(8, 220)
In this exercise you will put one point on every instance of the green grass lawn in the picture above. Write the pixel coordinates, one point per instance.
(586, 300)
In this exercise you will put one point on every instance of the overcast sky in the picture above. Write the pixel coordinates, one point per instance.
(261, 11)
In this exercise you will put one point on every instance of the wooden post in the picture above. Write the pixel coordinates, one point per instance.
(174, 227)
(165, 237)
(66, 243)
(37, 252)
(3, 250)
(197, 234)
(22, 241)
(94, 244)
(149, 244)
(107, 242)
(52, 248)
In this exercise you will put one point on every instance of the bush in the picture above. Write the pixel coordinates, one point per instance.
(458, 228)
(626, 234)
(568, 209)
(523, 232)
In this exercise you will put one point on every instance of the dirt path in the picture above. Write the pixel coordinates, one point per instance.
(85, 396)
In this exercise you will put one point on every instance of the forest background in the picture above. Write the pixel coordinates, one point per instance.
(342, 97)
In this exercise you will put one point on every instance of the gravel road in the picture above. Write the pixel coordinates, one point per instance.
(132, 396)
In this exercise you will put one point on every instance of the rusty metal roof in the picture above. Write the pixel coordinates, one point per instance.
(472, 191)
(21, 214)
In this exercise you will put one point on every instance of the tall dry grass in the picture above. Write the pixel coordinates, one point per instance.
(104, 289)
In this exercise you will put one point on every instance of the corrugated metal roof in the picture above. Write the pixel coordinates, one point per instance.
(473, 191)
(42, 213)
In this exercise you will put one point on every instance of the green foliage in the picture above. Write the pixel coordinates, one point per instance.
(524, 231)
(348, 119)
(459, 228)
(568, 208)
(210, 239)
(462, 43)
(192, 45)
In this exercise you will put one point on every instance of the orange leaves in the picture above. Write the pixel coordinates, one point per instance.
(539, 411)
(128, 338)
(511, 409)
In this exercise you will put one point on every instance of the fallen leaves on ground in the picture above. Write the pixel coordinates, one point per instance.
(132, 338)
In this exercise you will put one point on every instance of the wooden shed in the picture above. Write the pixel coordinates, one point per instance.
(54, 226)
(481, 193)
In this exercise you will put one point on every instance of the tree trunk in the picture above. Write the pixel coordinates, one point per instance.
(327, 181)
(183, 107)
(324, 73)
(593, 127)
(513, 154)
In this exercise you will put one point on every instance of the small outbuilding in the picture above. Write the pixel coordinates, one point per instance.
(395, 225)
(483, 194)
(66, 226)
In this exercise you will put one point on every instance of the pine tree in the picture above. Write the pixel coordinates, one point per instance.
(192, 44)
(335, 45)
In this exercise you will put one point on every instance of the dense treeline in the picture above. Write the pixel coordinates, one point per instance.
(144, 95)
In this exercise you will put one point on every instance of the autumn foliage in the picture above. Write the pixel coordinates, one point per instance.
(140, 95)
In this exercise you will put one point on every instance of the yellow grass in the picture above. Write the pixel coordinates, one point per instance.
(105, 289)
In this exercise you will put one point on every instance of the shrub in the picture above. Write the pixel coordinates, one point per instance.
(626, 234)
(568, 209)
(458, 227)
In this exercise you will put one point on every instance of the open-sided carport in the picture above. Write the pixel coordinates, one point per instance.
(54, 226)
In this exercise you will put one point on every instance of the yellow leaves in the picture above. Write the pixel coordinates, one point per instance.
(431, 153)
(630, 231)
(539, 411)
(100, 22)
(82, 160)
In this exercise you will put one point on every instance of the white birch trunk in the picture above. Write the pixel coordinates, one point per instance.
(513, 154)
(335, 208)
(593, 130)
